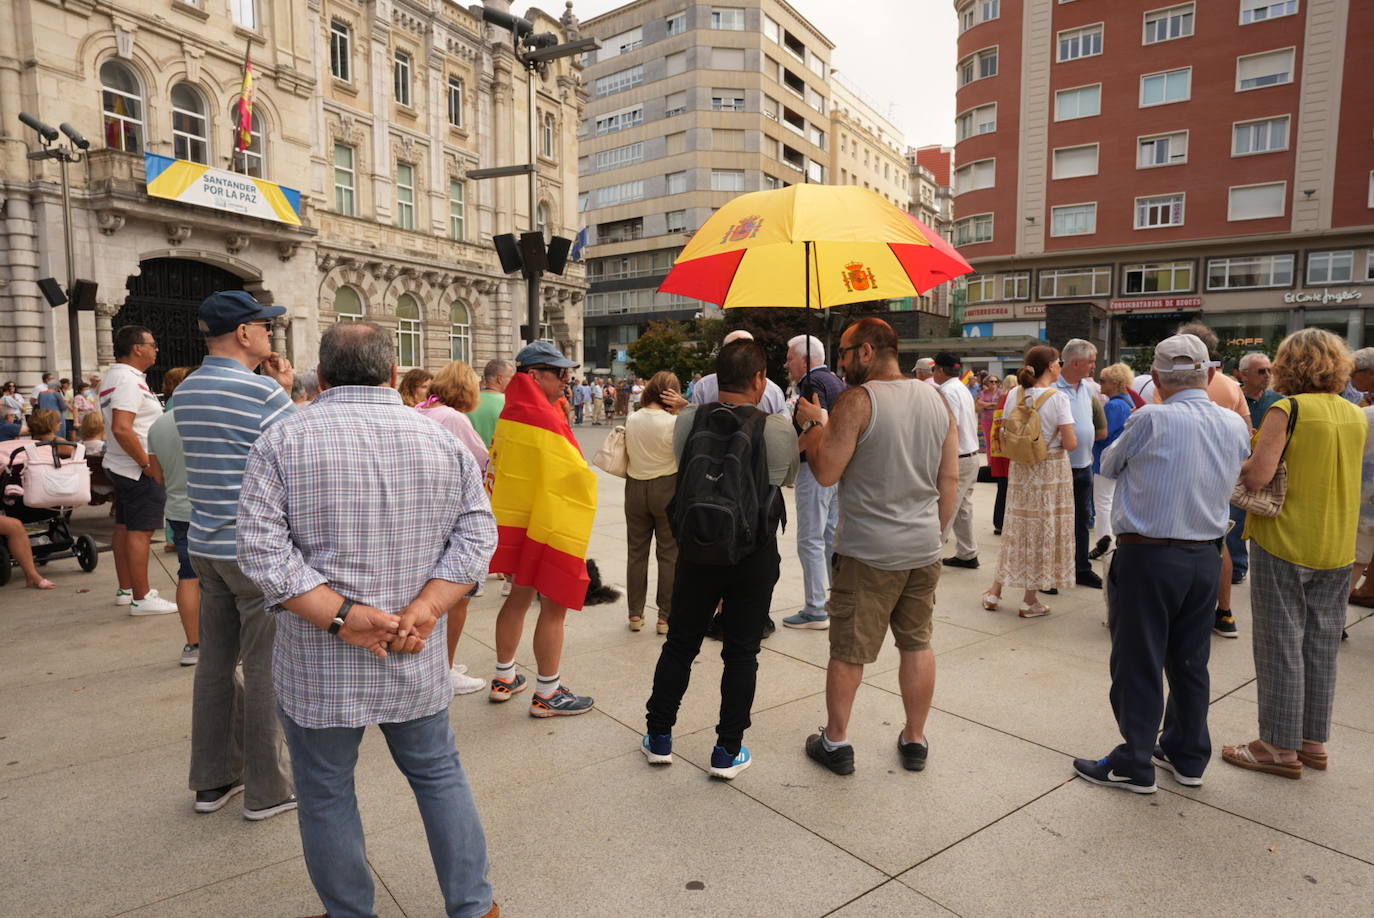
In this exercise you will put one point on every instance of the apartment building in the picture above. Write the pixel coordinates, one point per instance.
(868, 148)
(365, 121)
(691, 104)
(1124, 166)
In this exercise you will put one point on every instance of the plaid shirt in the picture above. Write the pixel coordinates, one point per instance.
(366, 495)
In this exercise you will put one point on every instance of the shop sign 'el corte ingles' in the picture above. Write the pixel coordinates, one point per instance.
(1323, 298)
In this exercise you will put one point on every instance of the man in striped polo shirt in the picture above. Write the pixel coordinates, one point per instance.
(222, 409)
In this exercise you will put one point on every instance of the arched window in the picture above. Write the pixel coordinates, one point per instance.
(348, 306)
(253, 160)
(407, 331)
(550, 141)
(121, 100)
(190, 132)
(460, 333)
(541, 222)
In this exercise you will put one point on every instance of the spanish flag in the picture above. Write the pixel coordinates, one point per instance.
(544, 496)
(244, 136)
(967, 377)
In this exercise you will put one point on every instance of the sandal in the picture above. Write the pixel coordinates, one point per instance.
(1243, 756)
(1315, 760)
(42, 584)
(990, 601)
(1033, 610)
(662, 626)
(636, 624)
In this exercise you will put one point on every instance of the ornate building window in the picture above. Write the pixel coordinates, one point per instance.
(345, 199)
(190, 132)
(348, 306)
(253, 159)
(460, 333)
(408, 342)
(122, 103)
(341, 50)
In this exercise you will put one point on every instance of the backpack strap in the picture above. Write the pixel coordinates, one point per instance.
(1044, 397)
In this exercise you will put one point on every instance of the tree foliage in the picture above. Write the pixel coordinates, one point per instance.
(682, 348)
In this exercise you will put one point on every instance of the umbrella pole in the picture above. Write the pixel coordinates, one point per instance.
(806, 376)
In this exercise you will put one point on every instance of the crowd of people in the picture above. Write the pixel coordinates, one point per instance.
(313, 608)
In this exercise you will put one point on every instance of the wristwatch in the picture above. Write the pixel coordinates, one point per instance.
(340, 616)
(812, 423)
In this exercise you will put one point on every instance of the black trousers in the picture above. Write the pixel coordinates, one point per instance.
(1082, 513)
(1161, 603)
(746, 589)
(999, 504)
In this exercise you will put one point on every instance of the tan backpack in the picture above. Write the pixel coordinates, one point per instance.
(1023, 440)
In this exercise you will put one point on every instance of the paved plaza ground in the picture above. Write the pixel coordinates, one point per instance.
(95, 818)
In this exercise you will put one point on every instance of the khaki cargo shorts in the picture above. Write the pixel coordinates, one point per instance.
(865, 602)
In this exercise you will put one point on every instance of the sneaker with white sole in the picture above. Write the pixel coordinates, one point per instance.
(657, 748)
(726, 764)
(562, 703)
(1101, 773)
(268, 812)
(151, 604)
(209, 801)
(1162, 760)
(805, 620)
(190, 655)
(123, 597)
(463, 684)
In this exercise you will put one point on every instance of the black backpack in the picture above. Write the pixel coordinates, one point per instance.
(724, 508)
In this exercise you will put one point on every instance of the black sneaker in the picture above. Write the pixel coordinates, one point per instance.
(769, 627)
(1088, 579)
(1050, 592)
(1100, 773)
(208, 801)
(1162, 761)
(1100, 548)
(913, 754)
(1225, 624)
(840, 761)
(1237, 579)
(971, 563)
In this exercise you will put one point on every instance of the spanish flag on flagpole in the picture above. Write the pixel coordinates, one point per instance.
(245, 132)
(543, 495)
(967, 377)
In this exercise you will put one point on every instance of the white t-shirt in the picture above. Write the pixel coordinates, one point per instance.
(965, 413)
(1056, 411)
(126, 389)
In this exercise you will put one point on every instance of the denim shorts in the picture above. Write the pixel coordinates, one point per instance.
(179, 531)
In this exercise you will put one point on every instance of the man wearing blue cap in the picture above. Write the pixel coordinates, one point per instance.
(222, 409)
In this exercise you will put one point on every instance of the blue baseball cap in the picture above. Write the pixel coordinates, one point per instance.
(222, 312)
(542, 354)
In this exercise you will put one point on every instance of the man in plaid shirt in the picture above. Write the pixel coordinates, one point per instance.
(366, 522)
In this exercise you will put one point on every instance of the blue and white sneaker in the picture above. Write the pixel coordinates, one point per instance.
(1101, 773)
(804, 620)
(658, 748)
(726, 765)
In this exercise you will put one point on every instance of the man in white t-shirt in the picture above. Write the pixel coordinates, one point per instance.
(707, 390)
(946, 375)
(130, 408)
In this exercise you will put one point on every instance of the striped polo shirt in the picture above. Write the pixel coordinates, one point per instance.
(222, 409)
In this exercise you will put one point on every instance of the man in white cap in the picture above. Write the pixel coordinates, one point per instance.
(924, 370)
(1162, 585)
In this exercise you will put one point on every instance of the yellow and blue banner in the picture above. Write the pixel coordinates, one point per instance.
(198, 184)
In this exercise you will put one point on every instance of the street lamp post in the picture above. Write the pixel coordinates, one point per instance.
(534, 52)
(64, 155)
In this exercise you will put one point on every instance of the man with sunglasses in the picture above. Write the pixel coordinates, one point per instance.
(550, 370)
(222, 409)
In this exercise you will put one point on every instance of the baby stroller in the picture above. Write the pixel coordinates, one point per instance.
(39, 487)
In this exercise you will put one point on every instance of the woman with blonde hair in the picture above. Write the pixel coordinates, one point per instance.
(414, 386)
(1037, 541)
(649, 484)
(453, 392)
(1116, 386)
(1300, 560)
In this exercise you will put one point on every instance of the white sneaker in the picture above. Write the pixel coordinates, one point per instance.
(464, 684)
(505, 587)
(152, 604)
(123, 597)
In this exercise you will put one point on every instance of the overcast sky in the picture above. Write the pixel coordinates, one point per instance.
(899, 53)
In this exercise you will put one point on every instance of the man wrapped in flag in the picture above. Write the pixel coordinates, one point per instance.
(544, 497)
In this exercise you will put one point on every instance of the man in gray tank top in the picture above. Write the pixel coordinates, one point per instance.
(893, 446)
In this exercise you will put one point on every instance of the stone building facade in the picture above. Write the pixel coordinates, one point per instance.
(418, 93)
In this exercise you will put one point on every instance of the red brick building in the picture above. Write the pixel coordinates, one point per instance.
(1122, 166)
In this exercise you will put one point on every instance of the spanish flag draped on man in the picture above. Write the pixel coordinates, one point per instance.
(543, 494)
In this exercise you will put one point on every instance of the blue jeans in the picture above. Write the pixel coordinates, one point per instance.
(818, 512)
(332, 831)
(1240, 550)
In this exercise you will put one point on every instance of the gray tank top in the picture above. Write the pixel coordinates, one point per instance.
(889, 494)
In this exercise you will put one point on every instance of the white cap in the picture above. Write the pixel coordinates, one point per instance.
(1181, 352)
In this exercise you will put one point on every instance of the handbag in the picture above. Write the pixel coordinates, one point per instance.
(50, 481)
(612, 457)
(1268, 500)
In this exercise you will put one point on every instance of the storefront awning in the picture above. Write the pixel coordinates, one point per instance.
(993, 346)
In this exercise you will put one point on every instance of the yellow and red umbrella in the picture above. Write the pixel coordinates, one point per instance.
(812, 246)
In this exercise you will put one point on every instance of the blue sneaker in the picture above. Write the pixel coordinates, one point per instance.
(658, 748)
(726, 765)
(562, 703)
(805, 620)
(1102, 774)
